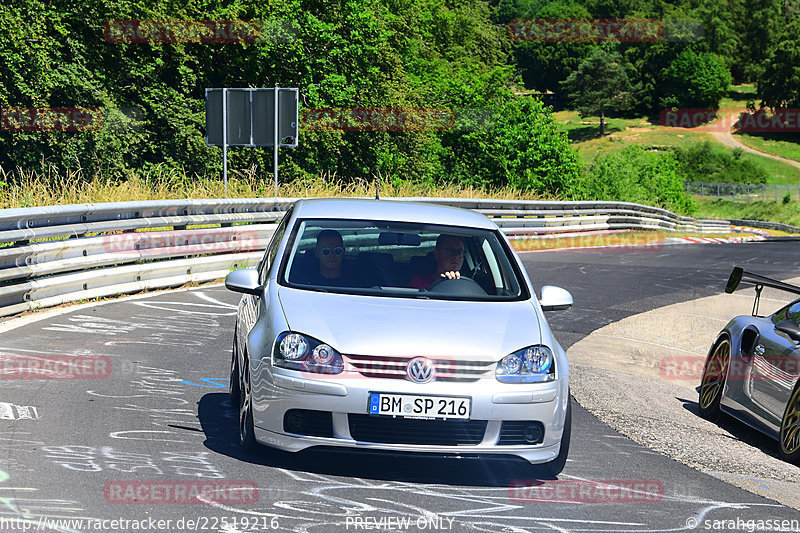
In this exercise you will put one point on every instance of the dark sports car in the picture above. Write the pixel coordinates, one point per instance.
(752, 370)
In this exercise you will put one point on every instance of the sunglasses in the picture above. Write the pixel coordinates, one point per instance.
(336, 251)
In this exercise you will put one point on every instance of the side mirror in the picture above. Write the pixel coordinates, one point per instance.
(555, 299)
(245, 281)
(790, 328)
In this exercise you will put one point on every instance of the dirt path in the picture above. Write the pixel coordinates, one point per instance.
(728, 139)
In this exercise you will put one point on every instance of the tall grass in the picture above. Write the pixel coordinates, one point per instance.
(21, 188)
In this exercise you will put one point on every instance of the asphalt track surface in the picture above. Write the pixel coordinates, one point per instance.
(162, 416)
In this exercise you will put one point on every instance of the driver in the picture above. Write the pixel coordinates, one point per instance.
(449, 256)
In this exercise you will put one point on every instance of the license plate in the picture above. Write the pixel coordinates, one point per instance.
(413, 406)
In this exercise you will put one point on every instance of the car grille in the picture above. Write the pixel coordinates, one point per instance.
(308, 422)
(390, 430)
(512, 432)
(395, 368)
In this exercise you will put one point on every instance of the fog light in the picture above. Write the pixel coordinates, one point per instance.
(532, 433)
(295, 422)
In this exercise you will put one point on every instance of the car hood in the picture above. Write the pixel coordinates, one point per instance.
(380, 326)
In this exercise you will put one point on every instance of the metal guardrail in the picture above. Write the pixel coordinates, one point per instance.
(766, 225)
(85, 251)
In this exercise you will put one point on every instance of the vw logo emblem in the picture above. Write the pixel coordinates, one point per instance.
(421, 370)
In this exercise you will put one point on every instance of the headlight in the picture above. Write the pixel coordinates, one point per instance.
(534, 364)
(300, 352)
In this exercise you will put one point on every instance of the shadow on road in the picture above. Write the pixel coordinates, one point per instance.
(219, 421)
(738, 430)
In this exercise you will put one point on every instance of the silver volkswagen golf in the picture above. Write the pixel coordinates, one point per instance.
(398, 326)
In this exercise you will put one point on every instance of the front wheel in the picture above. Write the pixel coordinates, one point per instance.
(233, 383)
(790, 429)
(247, 436)
(713, 381)
(553, 468)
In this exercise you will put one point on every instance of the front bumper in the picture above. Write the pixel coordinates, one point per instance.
(493, 402)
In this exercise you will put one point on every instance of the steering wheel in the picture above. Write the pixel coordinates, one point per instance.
(457, 287)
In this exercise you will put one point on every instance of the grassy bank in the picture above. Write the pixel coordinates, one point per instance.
(38, 189)
(788, 213)
(786, 145)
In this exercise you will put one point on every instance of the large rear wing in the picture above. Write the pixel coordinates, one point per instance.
(739, 275)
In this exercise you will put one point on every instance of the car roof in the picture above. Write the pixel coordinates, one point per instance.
(394, 210)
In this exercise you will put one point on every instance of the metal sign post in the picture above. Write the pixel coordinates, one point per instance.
(275, 143)
(224, 140)
(252, 117)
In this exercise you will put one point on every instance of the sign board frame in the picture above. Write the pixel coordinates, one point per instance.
(250, 120)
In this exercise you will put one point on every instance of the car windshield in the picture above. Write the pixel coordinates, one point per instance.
(400, 259)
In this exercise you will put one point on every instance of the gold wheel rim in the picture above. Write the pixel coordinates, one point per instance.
(714, 374)
(790, 427)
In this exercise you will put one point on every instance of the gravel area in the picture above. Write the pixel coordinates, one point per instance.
(618, 373)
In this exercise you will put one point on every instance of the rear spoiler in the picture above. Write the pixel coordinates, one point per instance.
(739, 275)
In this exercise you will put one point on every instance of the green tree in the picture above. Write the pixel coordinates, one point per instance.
(600, 84)
(722, 32)
(518, 144)
(762, 23)
(544, 65)
(694, 80)
(779, 84)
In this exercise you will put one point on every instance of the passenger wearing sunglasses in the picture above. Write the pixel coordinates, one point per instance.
(330, 254)
(449, 256)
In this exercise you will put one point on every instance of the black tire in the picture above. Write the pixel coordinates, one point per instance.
(789, 440)
(713, 382)
(247, 437)
(233, 384)
(553, 468)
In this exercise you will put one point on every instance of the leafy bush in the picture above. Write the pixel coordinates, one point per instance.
(706, 162)
(521, 146)
(695, 80)
(634, 174)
